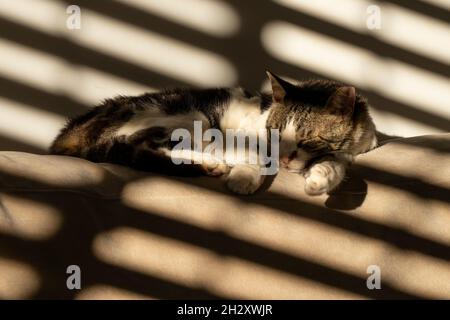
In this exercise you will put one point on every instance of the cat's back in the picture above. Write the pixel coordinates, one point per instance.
(100, 124)
(83, 131)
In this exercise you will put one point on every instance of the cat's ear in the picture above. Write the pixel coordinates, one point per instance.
(342, 102)
(280, 87)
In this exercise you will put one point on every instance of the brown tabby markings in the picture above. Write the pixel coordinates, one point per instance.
(322, 124)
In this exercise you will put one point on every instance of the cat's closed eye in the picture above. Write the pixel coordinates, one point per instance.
(308, 146)
(314, 147)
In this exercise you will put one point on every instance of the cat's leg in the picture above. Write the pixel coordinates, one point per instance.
(249, 170)
(245, 178)
(207, 163)
(325, 175)
(153, 147)
(213, 166)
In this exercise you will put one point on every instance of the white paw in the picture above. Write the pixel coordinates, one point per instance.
(317, 181)
(213, 167)
(245, 179)
(217, 169)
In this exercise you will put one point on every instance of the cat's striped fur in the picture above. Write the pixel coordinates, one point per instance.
(320, 121)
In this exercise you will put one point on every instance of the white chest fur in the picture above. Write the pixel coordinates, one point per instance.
(243, 113)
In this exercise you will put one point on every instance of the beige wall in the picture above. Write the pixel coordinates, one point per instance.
(49, 72)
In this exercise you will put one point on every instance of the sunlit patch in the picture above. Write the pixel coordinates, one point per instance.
(390, 123)
(429, 171)
(440, 3)
(416, 32)
(195, 267)
(421, 217)
(213, 17)
(154, 255)
(267, 223)
(94, 86)
(274, 223)
(28, 124)
(411, 270)
(414, 86)
(107, 292)
(151, 50)
(172, 196)
(398, 25)
(45, 15)
(242, 279)
(28, 219)
(152, 194)
(57, 76)
(84, 177)
(17, 280)
(347, 13)
(53, 75)
(315, 51)
(423, 275)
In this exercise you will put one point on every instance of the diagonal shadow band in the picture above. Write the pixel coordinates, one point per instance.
(335, 218)
(7, 143)
(94, 272)
(422, 7)
(63, 246)
(250, 73)
(52, 102)
(364, 41)
(430, 143)
(267, 11)
(226, 245)
(415, 186)
(79, 55)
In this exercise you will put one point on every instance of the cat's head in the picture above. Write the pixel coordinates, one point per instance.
(318, 117)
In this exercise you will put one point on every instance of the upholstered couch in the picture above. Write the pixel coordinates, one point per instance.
(141, 235)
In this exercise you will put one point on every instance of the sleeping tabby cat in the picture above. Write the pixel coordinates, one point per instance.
(322, 126)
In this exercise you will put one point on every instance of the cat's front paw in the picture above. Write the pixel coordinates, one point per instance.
(245, 179)
(213, 167)
(317, 181)
(216, 170)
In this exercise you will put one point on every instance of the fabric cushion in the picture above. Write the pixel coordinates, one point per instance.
(143, 235)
